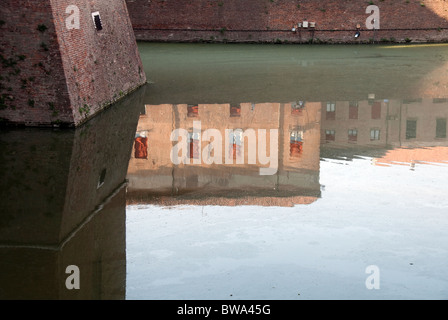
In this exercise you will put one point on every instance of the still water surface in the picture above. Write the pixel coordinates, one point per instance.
(361, 163)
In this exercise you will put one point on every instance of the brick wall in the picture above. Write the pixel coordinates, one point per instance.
(272, 20)
(32, 81)
(100, 66)
(53, 75)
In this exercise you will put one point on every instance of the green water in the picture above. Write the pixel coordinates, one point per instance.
(219, 73)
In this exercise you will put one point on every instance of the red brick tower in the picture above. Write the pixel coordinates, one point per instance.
(63, 61)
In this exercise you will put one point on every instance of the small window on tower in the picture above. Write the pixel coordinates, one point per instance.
(97, 21)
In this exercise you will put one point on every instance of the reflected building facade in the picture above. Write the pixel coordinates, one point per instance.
(64, 193)
(392, 131)
(156, 179)
(389, 131)
(395, 123)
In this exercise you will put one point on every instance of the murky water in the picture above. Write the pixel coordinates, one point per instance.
(240, 172)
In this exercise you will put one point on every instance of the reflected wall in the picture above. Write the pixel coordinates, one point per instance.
(63, 203)
(156, 178)
(405, 130)
(383, 128)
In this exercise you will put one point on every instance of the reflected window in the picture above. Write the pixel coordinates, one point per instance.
(439, 100)
(141, 146)
(374, 134)
(353, 135)
(297, 107)
(411, 129)
(331, 110)
(236, 142)
(192, 111)
(193, 150)
(376, 110)
(296, 143)
(441, 128)
(330, 135)
(353, 110)
(235, 111)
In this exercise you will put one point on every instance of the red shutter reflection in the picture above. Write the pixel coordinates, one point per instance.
(194, 149)
(331, 115)
(141, 148)
(235, 111)
(234, 151)
(296, 111)
(192, 111)
(330, 137)
(295, 148)
(376, 110)
(353, 112)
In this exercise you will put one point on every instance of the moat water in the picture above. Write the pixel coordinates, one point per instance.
(343, 198)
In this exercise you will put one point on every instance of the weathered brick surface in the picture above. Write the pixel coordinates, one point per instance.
(59, 75)
(100, 66)
(32, 83)
(272, 21)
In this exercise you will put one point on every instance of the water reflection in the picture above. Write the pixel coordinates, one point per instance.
(155, 178)
(64, 193)
(389, 131)
(222, 231)
(62, 203)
